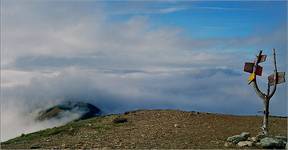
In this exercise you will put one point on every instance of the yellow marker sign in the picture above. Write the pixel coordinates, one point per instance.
(251, 77)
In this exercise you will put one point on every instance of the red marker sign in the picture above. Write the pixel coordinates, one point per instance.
(262, 58)
(248, 67)
(281, 78)
(259, 70)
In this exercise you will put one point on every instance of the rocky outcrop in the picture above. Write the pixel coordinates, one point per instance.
(84, 110)
(260, 141)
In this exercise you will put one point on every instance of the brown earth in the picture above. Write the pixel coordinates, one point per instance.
(165, 129)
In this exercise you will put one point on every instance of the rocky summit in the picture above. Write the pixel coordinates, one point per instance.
(151, 129)
(83, 110)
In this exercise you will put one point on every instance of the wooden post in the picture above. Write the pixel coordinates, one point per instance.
(265, 117)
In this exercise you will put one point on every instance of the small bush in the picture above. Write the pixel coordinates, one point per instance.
(120, 120)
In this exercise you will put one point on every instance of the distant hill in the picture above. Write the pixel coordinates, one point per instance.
(167, 129)
(84, 110)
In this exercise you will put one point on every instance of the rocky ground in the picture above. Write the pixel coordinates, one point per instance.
(149, 129)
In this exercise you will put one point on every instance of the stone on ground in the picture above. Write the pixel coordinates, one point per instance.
(259, 137)
(245, 134)
(228, 144)
(281, 138)
(245, 143)
(237, 138)
(272, 143)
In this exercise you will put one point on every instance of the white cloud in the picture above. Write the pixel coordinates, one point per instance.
(129, 42)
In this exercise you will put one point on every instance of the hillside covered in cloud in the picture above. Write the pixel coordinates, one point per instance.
(134, 55)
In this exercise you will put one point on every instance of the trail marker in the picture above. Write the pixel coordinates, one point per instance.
(273, 80)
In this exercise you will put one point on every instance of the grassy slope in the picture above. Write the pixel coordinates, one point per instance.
(148, 129)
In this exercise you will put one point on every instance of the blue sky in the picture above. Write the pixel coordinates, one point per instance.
(126, 55)
(213, 19)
